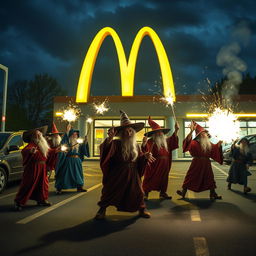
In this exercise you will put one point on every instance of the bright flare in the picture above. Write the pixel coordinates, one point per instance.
(64, 148)
(223, 125)
(101, 108)
(89, 120)
(80, 140)
(70, 114)
(168, 100)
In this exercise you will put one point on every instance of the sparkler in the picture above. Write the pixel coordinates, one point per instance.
(89, 121)
(64, 147)
(169, 102)
(71, 113)
(223, 125)
(100, 108)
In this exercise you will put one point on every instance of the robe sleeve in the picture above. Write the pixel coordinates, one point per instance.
(142, 162)
(65, 139)
(51, 158)
(216, 153)
(249, 158)
(107, 150)
(187, 144)
(61, 157)
(84, 150)
(147, 147)
(144, 148)
(29, 157)
(173, 142)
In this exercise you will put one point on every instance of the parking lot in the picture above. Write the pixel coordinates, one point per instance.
(194, 226)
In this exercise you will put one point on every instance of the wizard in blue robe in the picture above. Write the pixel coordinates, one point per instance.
(69, 170)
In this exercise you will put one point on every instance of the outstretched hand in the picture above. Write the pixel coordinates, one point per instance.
(149, 157)
(33, 150)
(192, 126)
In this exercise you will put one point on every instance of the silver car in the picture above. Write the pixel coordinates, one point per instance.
(252, 147)
(11, 167)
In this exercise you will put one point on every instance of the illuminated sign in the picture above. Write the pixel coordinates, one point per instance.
(127, 70)
(198, 115)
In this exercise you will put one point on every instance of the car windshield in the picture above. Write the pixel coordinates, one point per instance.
(3, 138)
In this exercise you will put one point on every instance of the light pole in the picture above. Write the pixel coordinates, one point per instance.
(4, 97)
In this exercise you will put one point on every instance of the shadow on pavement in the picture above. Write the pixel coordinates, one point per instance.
(11, 208)
(88, 230)
(154, 204)
(250, 196)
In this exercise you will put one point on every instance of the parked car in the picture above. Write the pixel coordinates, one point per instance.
(11, 167)
(252, 147)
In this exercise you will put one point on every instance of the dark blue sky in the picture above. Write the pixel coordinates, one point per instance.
(52, 36)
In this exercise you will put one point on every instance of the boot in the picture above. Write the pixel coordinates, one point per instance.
(164, 196)
(247, 190)
(81, 189)
(44, 203)
(17, 206)
(214, 195)
(182, 193)
(143, 213)
(100, 215)
(58, 192)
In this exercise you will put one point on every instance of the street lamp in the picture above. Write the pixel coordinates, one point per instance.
(4, 97)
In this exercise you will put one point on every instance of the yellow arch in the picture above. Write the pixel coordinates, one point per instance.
(127, 71)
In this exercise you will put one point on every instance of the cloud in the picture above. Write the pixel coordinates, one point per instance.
(53, 37)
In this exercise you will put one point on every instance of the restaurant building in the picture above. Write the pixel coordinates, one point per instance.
(138, 108)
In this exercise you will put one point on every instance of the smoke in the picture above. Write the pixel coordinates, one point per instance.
(233, 66)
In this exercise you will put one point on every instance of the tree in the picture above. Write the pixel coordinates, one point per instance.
(248, 85)
(32, 102)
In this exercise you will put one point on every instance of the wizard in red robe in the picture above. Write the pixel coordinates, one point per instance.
(53, 139)
(200, 176)
(122, 163)
(156, 174)
(34, 184)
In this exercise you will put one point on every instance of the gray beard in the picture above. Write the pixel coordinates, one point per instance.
(160, 141)
(42, 144)
(56, 141)
(73, 141)
(129, 148)
(205, 144)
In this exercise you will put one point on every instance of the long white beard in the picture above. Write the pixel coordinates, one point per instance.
(56, 141)
(129, 148)
(205, 144)
(243, 149)
(73, 141)
(42, 144)
(160, 141)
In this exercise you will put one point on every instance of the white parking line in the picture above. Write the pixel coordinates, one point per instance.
(194, 212)
(201, 248)
(55, 206)
(215, 166)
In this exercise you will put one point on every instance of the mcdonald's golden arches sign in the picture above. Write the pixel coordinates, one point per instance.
(127, 69)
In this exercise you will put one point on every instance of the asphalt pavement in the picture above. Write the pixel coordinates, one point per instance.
(194, 226)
